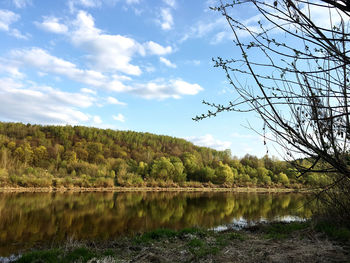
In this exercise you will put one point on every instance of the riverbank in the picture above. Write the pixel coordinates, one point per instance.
(276, 242)
(157, 189)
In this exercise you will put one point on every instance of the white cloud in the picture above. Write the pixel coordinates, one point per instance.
(115, 101)
(170, 3)
(111, 52)
(194, 62)
(130, 2)
(208, 140)
(149, 68)
(73, 4)
(185, 88)
(167, 62)
(323, 16)
(17, 34)
(97, 119)
(117, 86)
(21, 3)
(52, 24)
(167, 21)
(216, 28)
(320, 14)
(7, 17)
(107, 52)
(10, 68)
(86, 90)
(83, 3)
(42, 60)
(162, 89)
(46, 63)
(120, 117)
(89, 3)
(156, 49)
(220, 37)
(31, 103)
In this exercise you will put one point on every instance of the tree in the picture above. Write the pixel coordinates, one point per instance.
(162, 169)
(40, 155)
(297, 64)
(178, 174)
(190, 162)
(223, 174)
(299, 78)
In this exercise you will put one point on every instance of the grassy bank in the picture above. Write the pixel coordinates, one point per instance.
(276, 242)
(157, 189)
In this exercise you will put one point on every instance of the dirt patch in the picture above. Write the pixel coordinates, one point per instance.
(243, 246)
(293, 249)
(195, 245)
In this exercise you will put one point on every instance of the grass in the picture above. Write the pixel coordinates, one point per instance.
(201, 242)
(49, 256)
(211, 242)
(81, 254)
(164, 233)
(282, 230)
(155, 235)
(333, 231)
(236, 236)
(200, 248)
(192, 231)
(187, 245)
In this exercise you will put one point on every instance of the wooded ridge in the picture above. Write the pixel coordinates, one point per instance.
(77, 156)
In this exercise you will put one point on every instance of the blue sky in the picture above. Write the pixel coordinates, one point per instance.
(122, 64)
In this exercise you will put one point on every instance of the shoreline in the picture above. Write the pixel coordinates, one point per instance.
(156, 189)
(272, 242)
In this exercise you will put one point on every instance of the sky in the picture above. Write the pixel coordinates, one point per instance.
(141, 65)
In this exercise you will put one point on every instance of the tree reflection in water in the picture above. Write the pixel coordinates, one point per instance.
(30, 218)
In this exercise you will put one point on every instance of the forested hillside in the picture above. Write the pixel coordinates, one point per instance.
(66, 156)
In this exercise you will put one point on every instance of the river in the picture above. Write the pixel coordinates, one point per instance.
(28, 219)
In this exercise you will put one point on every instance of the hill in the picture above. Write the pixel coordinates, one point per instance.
(77, 156)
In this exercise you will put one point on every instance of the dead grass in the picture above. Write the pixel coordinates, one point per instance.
(197, 245)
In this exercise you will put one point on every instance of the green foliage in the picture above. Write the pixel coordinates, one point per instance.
(283, 179)
(334, 231)
(205, 174)
(66, 156)
(236, 236)
(178, 174)
(155, 235)
(193, 231)
(283, 230)
(49, 256)
(223, 174)
(81, 254)
(191, 164)
(200, 248)
(162, 169)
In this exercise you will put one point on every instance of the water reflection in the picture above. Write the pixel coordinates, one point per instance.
(30, 218)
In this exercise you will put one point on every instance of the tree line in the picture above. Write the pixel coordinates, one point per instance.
(77, 156)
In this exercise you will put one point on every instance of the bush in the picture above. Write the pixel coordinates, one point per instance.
(129, 179)
(334, 205)
(4, 178)
(283, 179)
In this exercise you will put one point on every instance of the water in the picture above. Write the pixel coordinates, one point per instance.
(28, 219)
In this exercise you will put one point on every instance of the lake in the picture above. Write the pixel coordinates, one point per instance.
(28, 219)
